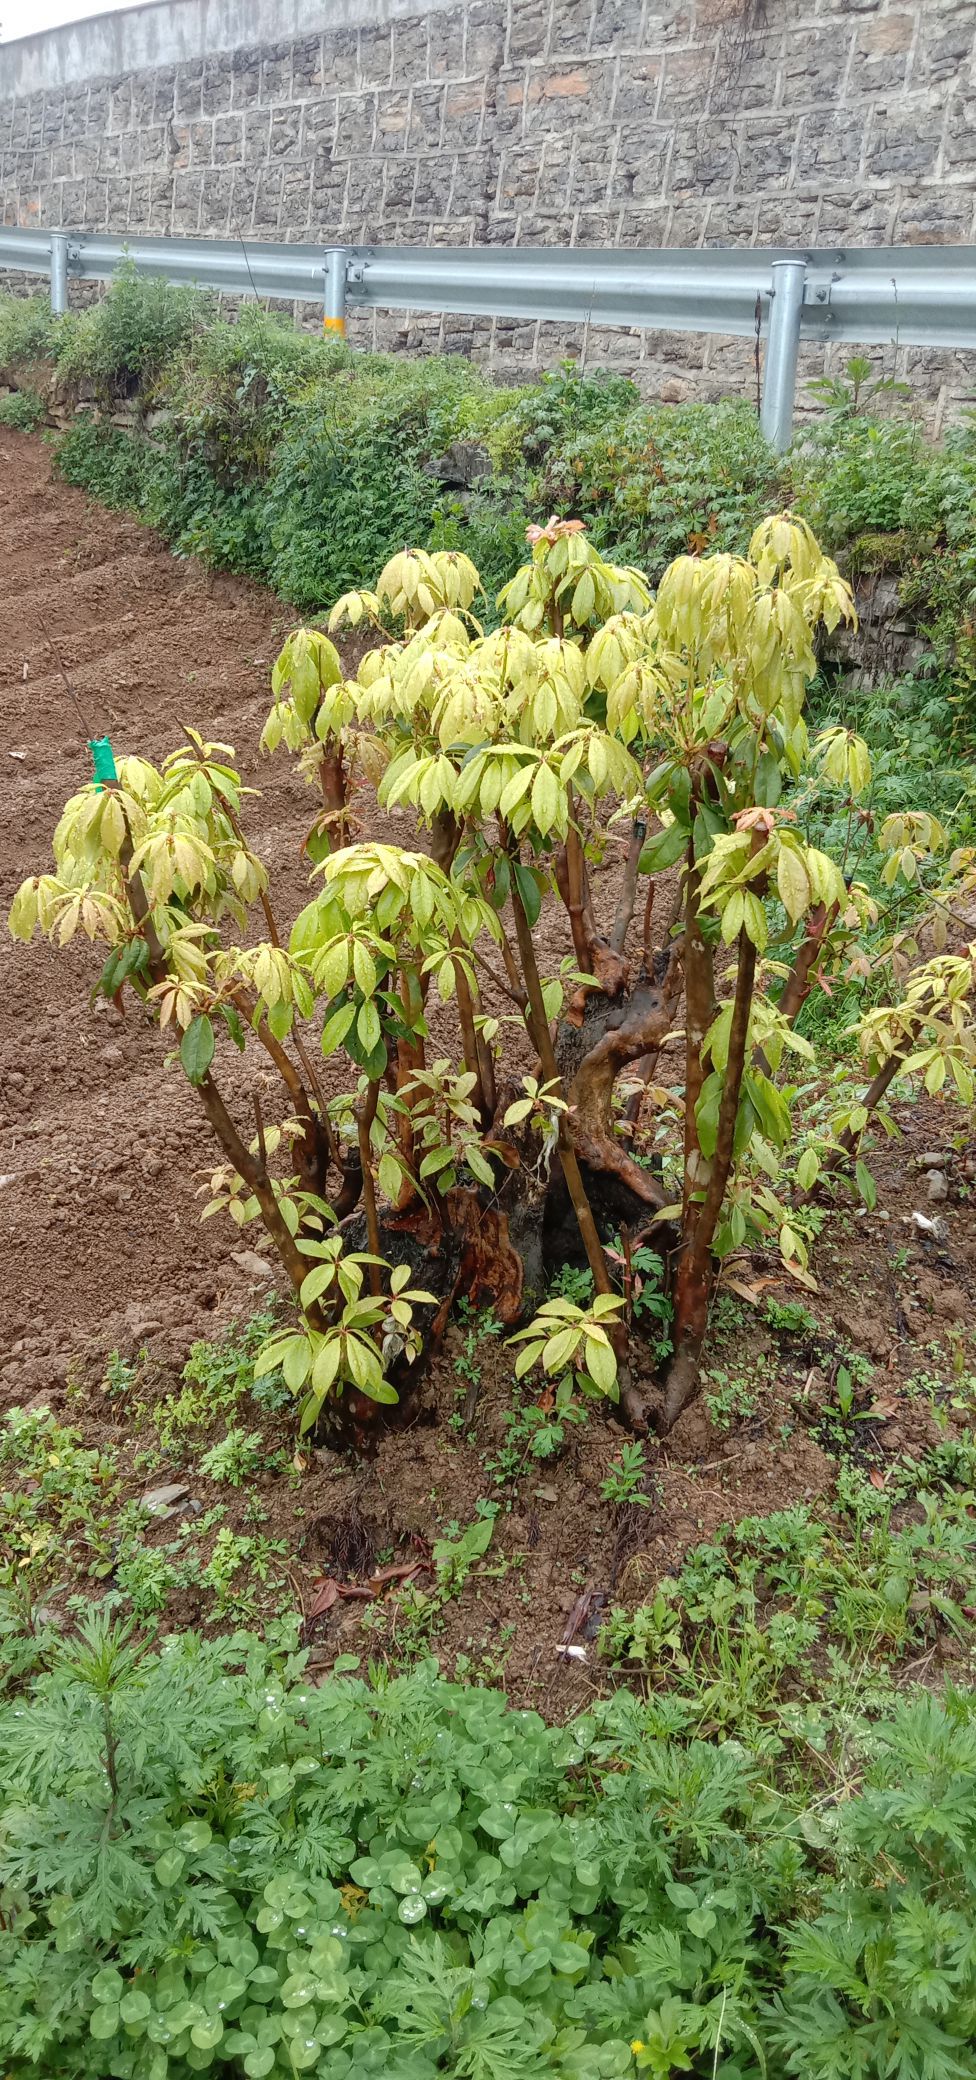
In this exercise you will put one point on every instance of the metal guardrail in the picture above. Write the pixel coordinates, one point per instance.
(915, 295)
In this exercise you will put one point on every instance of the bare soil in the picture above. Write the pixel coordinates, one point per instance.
(103, 1151)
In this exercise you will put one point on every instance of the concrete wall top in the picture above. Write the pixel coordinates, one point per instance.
(174, 32)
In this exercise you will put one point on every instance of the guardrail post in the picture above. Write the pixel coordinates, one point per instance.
(782, 349)
(334, 319)
(59, 272)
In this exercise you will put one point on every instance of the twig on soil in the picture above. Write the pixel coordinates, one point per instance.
(69, 689)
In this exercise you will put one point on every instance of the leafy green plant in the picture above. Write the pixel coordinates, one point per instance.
(791, 1318)
(205, 1858)
(624, 1481)
(216, 1379)
(728, 1399)
(512, 748)
(455, 1557)
(22, 409)
(855, 392)
(235, 1458)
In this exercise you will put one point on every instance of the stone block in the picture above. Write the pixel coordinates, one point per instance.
(787, 220)
(640, 172)
(425, 119)
(882, 48)
(218, 193)
(319, 125)
(746, 75)
(528, 32)
(399, 180)
(946, 43)
(732, 222)
(484, 36)
(340, 61)
(187, 198)
(470, 190)
(392, 116)
(504, 104)
(276, 73)
(245, 88)
(856, 218)
(364, 192)
(569, 27)
(52, 120)
(216, 85)
(159, 220)
(375, 57)
(763, 147)
(961, 134)
(306, 68)
(644, 227)
(463, 112)
(616, 25)
(188, 94)
(559, 99)
(902, 141)
(257, 135)
(828, 148)
(98, 106)
(295, 203)
(433, 185)
(201, 144)
(285, 134)
(267, 199)
(685, 86)
(355, 122)
(814, 63)
(164, 94)
(638, 87)
(228, 140)
(410, 55)
(689, 219)
(445, 45)
(703, 161)
(935, 217)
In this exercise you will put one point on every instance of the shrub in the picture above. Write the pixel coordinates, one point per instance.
(28, 330)
(681, 479)
(23, 410)
(511, 748)
(122, 343)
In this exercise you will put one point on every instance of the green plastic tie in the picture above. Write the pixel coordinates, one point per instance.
(104, 760)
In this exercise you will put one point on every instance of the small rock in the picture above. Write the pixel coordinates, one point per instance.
(937, 1187)
(248, 1261)
(161, 1502)
(933, 1159)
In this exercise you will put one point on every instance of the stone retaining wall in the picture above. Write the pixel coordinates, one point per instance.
(589, 122)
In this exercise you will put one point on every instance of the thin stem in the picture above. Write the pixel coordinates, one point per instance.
(469, 1034)
(365, 1115)
(700, 1011)
(721, 1164)
(575, 881)
(567, 1154)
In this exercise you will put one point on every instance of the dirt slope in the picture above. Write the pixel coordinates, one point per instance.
(90, 1244)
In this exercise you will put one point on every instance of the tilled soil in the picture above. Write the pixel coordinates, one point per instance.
(103, 1152)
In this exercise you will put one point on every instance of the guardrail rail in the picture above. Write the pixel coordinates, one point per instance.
(913, 295)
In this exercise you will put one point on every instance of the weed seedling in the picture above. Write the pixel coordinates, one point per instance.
(625, 1478)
